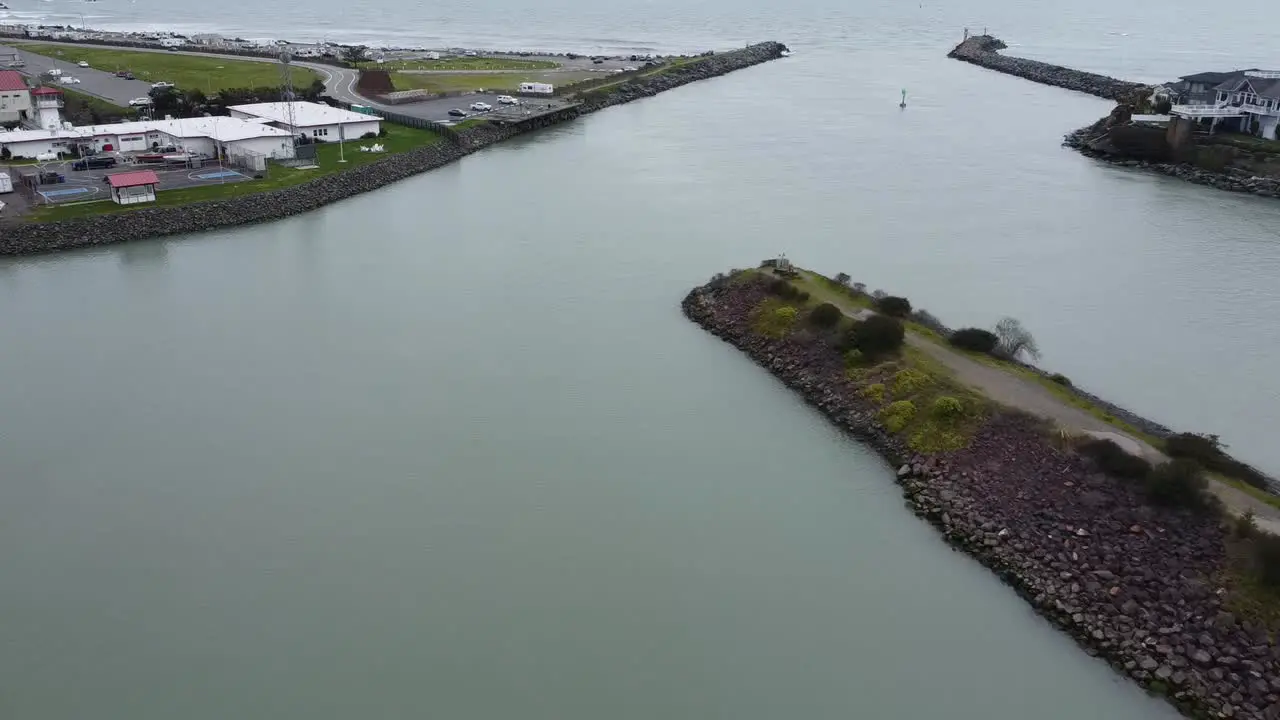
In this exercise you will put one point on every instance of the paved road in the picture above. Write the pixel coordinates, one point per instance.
(339, 82)
(94, 82)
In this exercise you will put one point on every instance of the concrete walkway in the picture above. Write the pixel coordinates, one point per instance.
(1018, 392)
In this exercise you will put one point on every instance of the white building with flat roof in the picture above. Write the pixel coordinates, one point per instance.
(212, 136)
(313, 120)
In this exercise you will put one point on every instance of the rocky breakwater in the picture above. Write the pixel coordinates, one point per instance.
(673, 77)
(1133, 584)
(1112, 139)
(89, 231)
(984, 50)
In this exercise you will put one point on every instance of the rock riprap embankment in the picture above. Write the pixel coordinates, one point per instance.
(161, 221)
(1089, 141)
(984, 50)
(1133, 584)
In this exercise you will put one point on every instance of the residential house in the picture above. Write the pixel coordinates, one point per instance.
(1245, 101)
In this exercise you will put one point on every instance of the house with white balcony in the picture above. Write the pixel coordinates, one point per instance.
(1245, 101)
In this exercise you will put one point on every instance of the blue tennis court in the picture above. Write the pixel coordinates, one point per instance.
(64, 193)
(218, 174)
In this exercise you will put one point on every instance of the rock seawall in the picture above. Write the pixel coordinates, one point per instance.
(1131, 584)
(1231, 180)
(984, 50)
(32, 238)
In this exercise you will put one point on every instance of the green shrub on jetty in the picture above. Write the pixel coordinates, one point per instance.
(874, 393)
(874, 337)
(894, 306)
(1178, 483)
(974, 340)
(946, 407)
(909, 382)
(1113, 460)
(898, 415)
(825, 315)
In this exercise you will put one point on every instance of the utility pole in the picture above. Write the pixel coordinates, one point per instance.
(342, 155)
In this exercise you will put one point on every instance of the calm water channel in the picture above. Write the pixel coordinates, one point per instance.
(450, 448)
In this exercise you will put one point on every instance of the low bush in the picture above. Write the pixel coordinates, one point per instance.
(927, 319)
(786, 314)
(369, 135)
(842, 279)
(1246, 525)
(874, 337)
(1266, 554)
(1178, 483)
(898, 415)
(909, 382)
(825, 315)
(894, 306)
(802, 296)
(947, 407)
(1061, 379)
(1113, 460)
(859, 288)
(974, 339)
(874, 393)
(1208, 451)
(1204, 449)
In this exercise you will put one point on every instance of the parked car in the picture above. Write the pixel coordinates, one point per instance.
(598, 61)
(508, 100)
(55, 72)
(481, 106)
(94, 163)
(161, 85)
(129, 76)
(69, 80)
(17, 64)
(83, 63)
(457, 113)
(140, 102)
(121, 73)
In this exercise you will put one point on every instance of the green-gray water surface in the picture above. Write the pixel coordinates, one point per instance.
(450, 449)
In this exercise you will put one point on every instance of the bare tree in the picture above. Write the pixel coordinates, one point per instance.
(1015, 340)
(860, 288)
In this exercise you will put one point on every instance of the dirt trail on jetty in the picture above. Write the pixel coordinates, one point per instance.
(1018, 392)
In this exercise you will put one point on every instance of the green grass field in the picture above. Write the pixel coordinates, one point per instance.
(398, 139)
(462, 63)
(186, 71)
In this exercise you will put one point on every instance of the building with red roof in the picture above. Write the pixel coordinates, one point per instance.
(15, 98)
(129, 188)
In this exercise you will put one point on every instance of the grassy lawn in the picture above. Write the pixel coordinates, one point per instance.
(399, 139)
(79, 105)
(1251, 143)
(186, 71)
(462, 63)
(456, 83)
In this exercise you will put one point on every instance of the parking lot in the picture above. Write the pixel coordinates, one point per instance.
(99, 83)
(87, 185)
